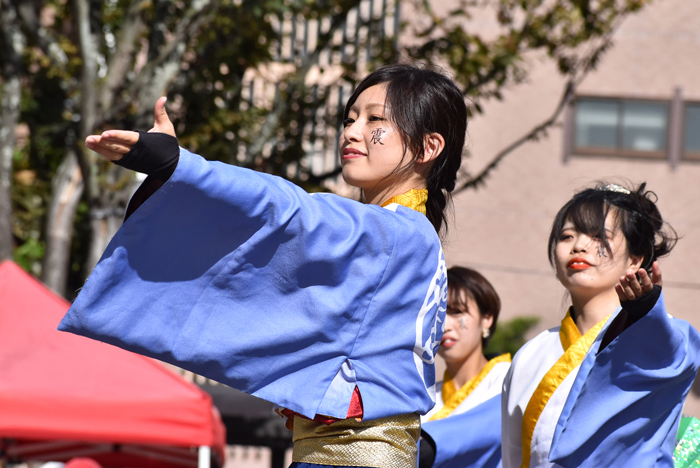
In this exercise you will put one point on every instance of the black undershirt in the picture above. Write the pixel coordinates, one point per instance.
(426, 451)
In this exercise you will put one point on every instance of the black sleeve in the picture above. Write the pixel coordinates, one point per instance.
(155, 154)
(426, 452)
(631, 312)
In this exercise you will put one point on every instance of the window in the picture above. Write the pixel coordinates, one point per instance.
(691, 131)
(622, 127)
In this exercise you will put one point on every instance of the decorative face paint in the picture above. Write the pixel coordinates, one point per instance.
(463, 325)
(377, 136)
(370, 147)
(601, 251)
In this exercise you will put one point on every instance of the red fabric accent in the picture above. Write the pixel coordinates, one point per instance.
(82, 463)
(354, 411)
(79, 395)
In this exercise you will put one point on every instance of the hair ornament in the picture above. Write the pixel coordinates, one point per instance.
(614, 188)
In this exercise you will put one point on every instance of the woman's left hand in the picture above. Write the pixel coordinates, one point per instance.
(630, 288)
(114, 144)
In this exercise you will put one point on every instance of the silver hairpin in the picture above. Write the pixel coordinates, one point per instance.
(614, 188)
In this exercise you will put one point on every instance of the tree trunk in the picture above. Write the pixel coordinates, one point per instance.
(66, 193)
(9, 117)
(104, 223)
(11, 44)
(88, 101)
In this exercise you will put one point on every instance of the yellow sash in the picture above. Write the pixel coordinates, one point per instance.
(575, 349)
(413, 199)
(453, 398)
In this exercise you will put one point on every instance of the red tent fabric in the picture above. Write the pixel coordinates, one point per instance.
(63, 395)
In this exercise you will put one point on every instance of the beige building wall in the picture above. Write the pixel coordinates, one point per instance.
(502, 229)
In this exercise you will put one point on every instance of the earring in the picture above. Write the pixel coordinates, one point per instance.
(485, 333)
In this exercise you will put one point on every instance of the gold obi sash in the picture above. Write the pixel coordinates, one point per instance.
(383, 443)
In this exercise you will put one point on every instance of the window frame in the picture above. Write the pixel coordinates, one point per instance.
(619, 151)
(687, 155)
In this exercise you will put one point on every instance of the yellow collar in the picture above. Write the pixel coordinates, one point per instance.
(413, 199)
(568, 333)
(575, 348)
(452, 398)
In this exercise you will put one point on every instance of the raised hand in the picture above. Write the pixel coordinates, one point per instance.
(630, 287)
(114, 144)
(162, 121)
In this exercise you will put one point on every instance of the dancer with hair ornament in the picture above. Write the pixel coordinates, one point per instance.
(606, 388)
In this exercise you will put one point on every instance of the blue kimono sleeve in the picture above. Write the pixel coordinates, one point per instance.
(470, 439)
(625, 403)
(247, 279)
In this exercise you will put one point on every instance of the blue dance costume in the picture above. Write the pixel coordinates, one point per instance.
(247, 279)
(612, 397)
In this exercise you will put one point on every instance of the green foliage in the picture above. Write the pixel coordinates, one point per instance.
(203, 58)
(510, 335)
(29, 255)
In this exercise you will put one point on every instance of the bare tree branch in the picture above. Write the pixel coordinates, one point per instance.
(118, 63)
(269, 127)
(185, 29)
(533, 134)
(38, 35)
(578, 74)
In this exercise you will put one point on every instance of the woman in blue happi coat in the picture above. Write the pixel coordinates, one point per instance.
(606, 388)
(330, 308)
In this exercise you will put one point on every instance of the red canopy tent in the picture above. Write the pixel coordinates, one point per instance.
(65, 396)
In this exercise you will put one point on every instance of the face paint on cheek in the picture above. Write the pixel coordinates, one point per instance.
(601, 251)
(462, 323)
(377, 136)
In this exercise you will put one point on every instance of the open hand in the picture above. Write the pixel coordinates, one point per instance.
(114, 144)
(630, 287)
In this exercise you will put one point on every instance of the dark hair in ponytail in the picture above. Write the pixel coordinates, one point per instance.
(637, 216)
(421, 102)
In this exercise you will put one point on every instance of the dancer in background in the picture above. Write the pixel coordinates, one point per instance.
(606, 388)
(464, 427)
(330, 308)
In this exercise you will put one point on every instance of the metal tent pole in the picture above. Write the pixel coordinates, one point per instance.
(204, 457)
